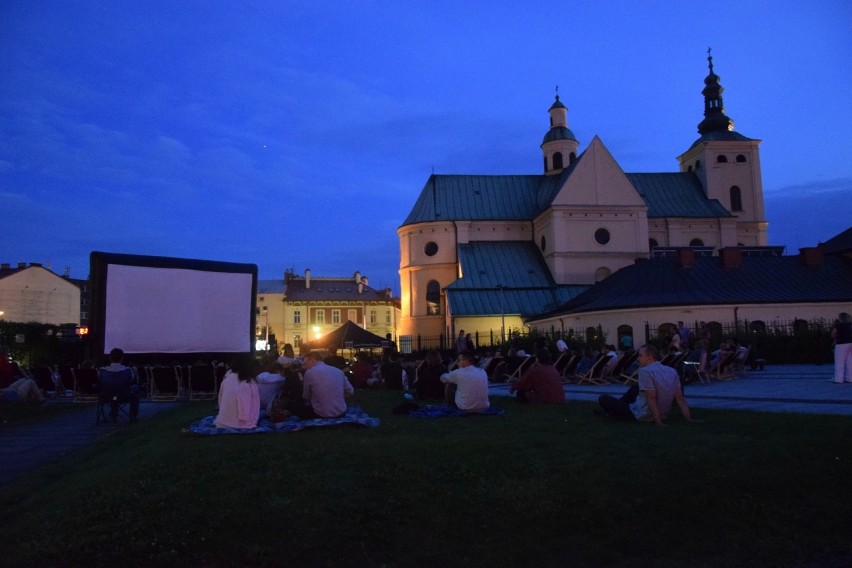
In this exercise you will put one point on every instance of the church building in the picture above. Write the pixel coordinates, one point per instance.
(484, 253)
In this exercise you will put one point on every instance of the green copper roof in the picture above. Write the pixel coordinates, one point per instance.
(675, 195)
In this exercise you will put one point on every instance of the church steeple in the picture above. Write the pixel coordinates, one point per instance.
(559, 145)
(715, 119)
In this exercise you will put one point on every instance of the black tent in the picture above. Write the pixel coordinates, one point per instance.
(348, 336)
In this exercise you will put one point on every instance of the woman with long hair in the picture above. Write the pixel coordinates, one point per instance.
(428, 385)
(239, 401)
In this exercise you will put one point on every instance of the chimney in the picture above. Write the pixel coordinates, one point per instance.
(4, 266)
(811, 256)
(22, 265)
(307, 278)
(731, 257)
(685, 257)
(365, 281)
(357, 277)
(360, 287)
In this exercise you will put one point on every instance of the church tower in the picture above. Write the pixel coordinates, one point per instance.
(559, 145)
(728, 165)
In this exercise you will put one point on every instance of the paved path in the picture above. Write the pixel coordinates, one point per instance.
(783, 388)
(28, 446)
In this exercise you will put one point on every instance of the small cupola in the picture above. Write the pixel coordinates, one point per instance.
(560, 145)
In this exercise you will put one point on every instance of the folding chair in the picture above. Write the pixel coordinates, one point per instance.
(520, 369)
(85, 385)
(722, 370)
(66, 379)
(43, 377)
(593, 376)
(698, 368)
(165, 383)
(620, 366)
(570, 368)
(118, 391)
(202, 382)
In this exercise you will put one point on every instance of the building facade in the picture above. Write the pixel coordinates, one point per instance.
(32, 293)
(475, 250)
(303, 308)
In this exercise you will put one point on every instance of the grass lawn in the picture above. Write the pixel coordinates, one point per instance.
(15, 413)
(539, 486)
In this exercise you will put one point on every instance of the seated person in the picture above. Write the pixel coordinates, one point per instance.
(392, 373)
(427, 384)
(269, 382)
(239, 400)
(651, 399)
(361, 371)
(9, 372)
(467, 385)
(23, 389)
(117, 386)
(541, 383)
(324, 391)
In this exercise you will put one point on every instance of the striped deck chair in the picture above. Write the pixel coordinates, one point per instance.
(593, 376)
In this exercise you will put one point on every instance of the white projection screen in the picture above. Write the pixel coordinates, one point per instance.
(172, 306)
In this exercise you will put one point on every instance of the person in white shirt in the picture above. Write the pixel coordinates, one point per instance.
(471, 385)
(269, 383)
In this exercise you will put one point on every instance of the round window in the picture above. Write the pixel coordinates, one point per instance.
(431, 249)
(602, 236)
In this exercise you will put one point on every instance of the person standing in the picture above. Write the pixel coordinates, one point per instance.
(842, 334)
(461, 343)
(470, 394)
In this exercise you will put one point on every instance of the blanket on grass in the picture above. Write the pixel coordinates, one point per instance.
(437, 411)
(354, 415)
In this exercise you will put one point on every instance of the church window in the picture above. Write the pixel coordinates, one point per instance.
(652, 244)
(736, 199)
(543, 242)
(602, 273)
(721, 158)
(697, 164)
(696, 243)
(602, 236)
(431, 249)
(557, 161)
(433, 298)
(689, 168)
(741, 158)
(572, 157)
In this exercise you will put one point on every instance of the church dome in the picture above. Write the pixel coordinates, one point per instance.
(559, 133)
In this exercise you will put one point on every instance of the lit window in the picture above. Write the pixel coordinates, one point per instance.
(319, 316)
(335, 316)
(372, 316)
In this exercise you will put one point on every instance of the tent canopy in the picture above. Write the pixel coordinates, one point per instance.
(349, 332)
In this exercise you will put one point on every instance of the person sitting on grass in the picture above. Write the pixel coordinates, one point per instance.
(427, 384)
(324, 391)
(541, 383)
(467, 385)
(269, 382)
(239, 401)
(651, 399)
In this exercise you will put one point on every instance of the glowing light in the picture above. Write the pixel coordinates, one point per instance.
(317, 333)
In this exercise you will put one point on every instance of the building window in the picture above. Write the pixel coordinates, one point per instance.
(572, 157)
(388, 316)
(372, 316)
(722, 159)
(625, 331)
(353, 315)
(757, 326)
(335, 316)
(297, 340)
(696, 243)
(543, 242)
(736, 199)
(545, 163)
(741, 158)
(697, 164)
(319, 316)
(652, 244)
(557, 161)
(602, 236)
(257, 310)
(297, 316)
(431, 249)
(433, 298)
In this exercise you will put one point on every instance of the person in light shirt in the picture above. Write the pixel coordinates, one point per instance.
(467, 385)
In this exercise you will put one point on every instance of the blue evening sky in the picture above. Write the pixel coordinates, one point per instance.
(299, 134)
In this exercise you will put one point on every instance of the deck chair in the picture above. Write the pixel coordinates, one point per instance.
(43, 377)
(593, 376)
(697, 368)
(562, 362)
(165, 383)
(738, 365)
(202, 382)
(570, 368)
(492, 366)
(86, 386)
(118, 396)
(722, 370)
(520, 369)
(620, 365)
(66, 378)
(675, 362)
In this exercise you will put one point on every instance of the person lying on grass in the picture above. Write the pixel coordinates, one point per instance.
(467, 385)
(652, 398)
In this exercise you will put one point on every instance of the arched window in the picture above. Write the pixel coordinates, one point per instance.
(591, 335)
(689, 168)
(433, 298)
(572, 157)
(800, 326)
(602, 273)
(557, 161)
(757, 326)
(696, 243)
(721, 158)
(666, 330)
(741, 158)
(543, 243)
(736, 199)
(545, 163)
(697, 164)
(652, 244)
(625, 331)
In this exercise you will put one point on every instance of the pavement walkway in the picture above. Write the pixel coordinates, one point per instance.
(783, 388)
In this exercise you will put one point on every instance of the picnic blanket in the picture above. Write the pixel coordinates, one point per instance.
(437, 411)
(354, 415)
